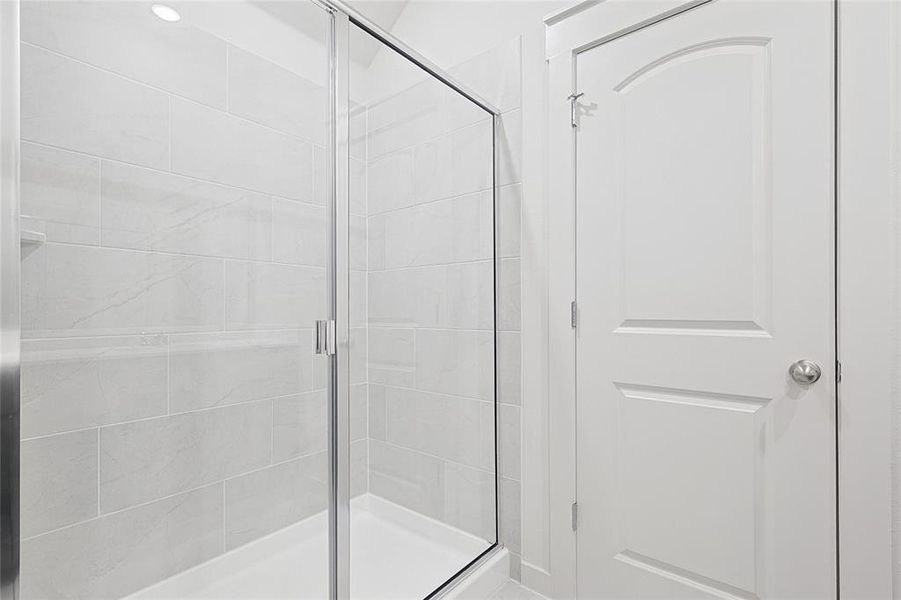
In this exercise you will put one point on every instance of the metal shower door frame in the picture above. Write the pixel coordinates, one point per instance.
(339, 284)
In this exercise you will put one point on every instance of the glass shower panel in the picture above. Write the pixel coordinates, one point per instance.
(422, 306)
(174, 185)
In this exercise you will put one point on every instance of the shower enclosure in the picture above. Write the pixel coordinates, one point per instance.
(248, 298)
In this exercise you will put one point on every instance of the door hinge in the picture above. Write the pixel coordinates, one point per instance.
(573, 99)
(324, 334)
(838, 371)
(575, 515)
(573, 314)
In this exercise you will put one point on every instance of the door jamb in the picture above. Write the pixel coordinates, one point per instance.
(868, 34)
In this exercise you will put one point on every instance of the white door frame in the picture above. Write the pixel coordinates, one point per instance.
(869, 303)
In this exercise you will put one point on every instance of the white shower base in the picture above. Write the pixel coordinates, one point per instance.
(396, 554)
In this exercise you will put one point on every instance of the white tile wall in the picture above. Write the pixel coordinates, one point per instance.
(61, 190)
(154, 458)
(171, 405)
(300, 425)
(80, 383)
(212, 145)
(84, 290)
(60, 488)
(72, 105)
(266, 93)
(144, 209)
(267, 295)
(124, 38)
(407, 477)
(120, 553)
(264, 501)
(208, 370)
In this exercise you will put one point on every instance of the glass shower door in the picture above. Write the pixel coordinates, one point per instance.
(423, 482)
(174, 193)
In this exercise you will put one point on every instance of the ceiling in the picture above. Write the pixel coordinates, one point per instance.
(363, 49)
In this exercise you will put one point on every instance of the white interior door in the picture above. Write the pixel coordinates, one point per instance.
(705, 230)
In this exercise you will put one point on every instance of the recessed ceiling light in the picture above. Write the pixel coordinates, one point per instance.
(166, 13)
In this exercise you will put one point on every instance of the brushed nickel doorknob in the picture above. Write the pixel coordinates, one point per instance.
(805, 372)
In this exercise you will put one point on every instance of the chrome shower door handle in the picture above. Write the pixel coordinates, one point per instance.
(805, 372)
(324, 337)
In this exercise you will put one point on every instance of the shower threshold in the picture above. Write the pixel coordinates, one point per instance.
(396, 554)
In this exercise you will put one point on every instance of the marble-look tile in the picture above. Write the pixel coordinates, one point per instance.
(472, 158)
(510, 148)
(81, 290)
(300, 425)
(391, 356)
(271, 296)
(217, 369)
(412, 116)
(452, 165)
(456, 296)
(298, 233)
(267, 500)
(394, 297)
(262, 91)
(407, 478)
(61, 189)
(510, 513)
(149, 210)
(509, 367)
(124, 38)
(79, 383)
(495, 75)
(509, 441)
(454, 230)
(455, 362)
(470, 502)
(151, 459)
(72, 105)
(209, 144)
(425, 96)
(432, 170)
(390, 182)
(456, 429)
(59, 481)
(118, 554)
